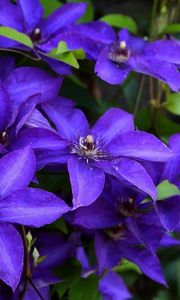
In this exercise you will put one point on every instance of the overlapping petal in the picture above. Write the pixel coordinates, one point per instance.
(87, 182)
(32, 207)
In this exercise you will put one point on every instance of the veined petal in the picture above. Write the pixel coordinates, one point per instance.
(112, 123)
(87, 182)
(110, 71)
(32, 12)
(16, 170)
(147, 262)
(62, 17)
(70, 123)
(141, 145)
(32, 207)
(111, 286)
(24, 82)
(39, 138)
(107, 253)
(11, 258)
(98, 215)
(134, 174)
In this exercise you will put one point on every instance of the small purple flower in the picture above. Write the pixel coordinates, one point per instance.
(21, 90)
(27, 17)
(112, 146)
(129, 53)
(21, 205)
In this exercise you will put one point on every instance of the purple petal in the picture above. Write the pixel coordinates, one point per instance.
(36, 119)
(10, 15)
(136, 44)
(62, 17)
(107, 253)
(134, 174)
(32, 12)
(112, 287)
(70, 123)
(16, 170)
(165, 50)
(172, 167)
(112, 123)
(25, 110)
(169, 213)
(87, 182)
(110, 71)
(24, 82)
(5, 108)
(162, 70)
(51, 157)
(39, 138)
(139, 144)
(148, 263)
(169, 241)
(11, 258)
(32, 207)
(98, 215)
(7, 65)
(58, 66)
(97, 30)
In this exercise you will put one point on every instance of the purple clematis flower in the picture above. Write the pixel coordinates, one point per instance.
(125, 228)
(112, 146)
(21, 90)
(27, 17)
(129, 53)
(21, 205)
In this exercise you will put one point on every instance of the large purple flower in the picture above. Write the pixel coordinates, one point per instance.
(27, 17)
(129, 53)
(21, 205)
(112, 146)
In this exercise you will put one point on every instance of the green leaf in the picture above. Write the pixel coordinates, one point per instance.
(84, 289)
(50, 8)
(171, 28)
(173, 103)
(127, 265)
(120, 21)
(16, 36)
(166, 189)
(69, 57)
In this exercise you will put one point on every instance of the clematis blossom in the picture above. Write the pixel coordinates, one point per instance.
(27, 17)
(129, 53)
(111, 146)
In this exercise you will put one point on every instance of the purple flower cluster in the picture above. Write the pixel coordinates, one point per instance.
(113, 167)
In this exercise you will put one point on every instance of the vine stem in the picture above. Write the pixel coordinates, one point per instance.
(38, 58)
(141, 85)
(27, 268)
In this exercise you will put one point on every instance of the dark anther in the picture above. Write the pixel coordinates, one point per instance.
(4, 138)
(36, 35)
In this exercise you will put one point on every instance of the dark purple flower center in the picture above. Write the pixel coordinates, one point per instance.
(36, 35)
(88, 148)
(4, 140)
(116, 232)
(128, 208)
(119, 52)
